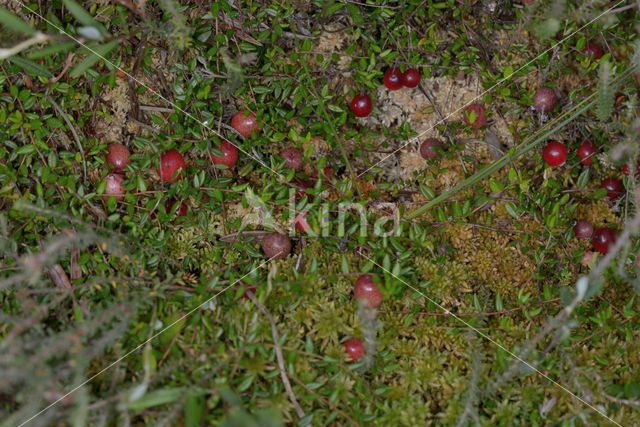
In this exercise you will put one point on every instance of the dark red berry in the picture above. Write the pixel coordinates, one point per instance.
(625, 168)
(361, 105)
(475, 116)
(614, 188)
(292, 158)
(586, 151)
(302, 225)
(118, 157)
(171, 165)
(583, 229)
(393, 78)
(428, 148)
(181, 210)
(545, 100)
(245, 123)
(250, 289)
(328, 172)
(229, 155)
(114, 186)
(354, 349)
(593, 50)
(603, 238)
(554, 153)
(411, 78)
(276, 245)
(367, 291)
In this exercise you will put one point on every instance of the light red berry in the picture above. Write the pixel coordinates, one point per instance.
(171, 166)
(114, 186)
(475, 116)
(292, 158)
(118, 157)
(367, 291)
(428, 148)
(545, 99)
(354, 348)
(276, 245)
(245, 123)
(229, 155)
(583, 229)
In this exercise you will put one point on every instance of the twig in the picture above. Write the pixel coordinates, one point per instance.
(73, 131)
(36, 39)
(276, 341)
(472, 392)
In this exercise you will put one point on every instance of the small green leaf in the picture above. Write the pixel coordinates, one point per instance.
(30, 66)
(156, 398)
(583, 179)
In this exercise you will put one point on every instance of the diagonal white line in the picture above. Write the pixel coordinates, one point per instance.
(497, 344)
(130, 352)
(155, 92)
(500, 82)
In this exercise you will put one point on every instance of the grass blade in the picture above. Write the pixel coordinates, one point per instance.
(51, 50)
(97, 54)
(13, 23)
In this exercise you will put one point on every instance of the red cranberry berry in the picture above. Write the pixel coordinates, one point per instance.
(586, 151)
(626, 169)
(411, 78)
(603, 238)
(583, 229)
(181, 210)
(328, 172)
(250, 289)
(229, 155)
(614, 188)
(475, 116)
(367, 291)
(245, 123)
(118, 157)
(545, 100)
(554, 153)
(114, 186)
(354, 349)
(292, 158)
(276, 245)
(361, 105)
(428, 148)
(171, 165)
(393, 78)
(593, 50)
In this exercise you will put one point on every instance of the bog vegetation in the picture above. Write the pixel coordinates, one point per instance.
(153, 273)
